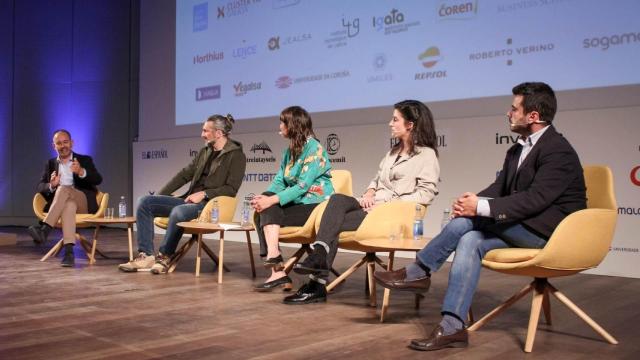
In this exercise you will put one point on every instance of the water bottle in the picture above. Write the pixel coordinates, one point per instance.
(215, 212)
(418, 224)
(122, 207)
(246, 210)
(446, 217)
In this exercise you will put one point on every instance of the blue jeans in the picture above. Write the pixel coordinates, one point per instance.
(176, 209)
(471, 239)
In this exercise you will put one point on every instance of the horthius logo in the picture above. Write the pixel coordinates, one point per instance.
(208, 57)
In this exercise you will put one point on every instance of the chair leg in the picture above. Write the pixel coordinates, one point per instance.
(346, 273)
(253, 264)
(546, 306)
(495, 312)
(182, 251)
(53, 251)
(534, 316)
(581, 314)
(296, 257)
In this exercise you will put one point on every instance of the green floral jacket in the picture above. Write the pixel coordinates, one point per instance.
(308, 180)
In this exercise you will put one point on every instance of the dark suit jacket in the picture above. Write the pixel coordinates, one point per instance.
(86, 185)
(548, 186)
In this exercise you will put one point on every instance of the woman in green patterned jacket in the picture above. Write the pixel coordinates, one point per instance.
(302, 182)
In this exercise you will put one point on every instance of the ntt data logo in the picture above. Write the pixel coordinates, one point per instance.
(283, 82)
(429, 58)
(457, 10)
(200, 17)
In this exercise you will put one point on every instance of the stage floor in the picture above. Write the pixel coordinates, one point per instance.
(97, 312)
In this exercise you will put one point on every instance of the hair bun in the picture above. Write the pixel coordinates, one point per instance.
(230, 118)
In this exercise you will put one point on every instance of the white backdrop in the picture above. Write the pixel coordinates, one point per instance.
(472, 150)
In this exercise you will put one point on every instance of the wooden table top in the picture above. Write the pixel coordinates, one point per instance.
(404, 244)
(207, 227)
(114, 220)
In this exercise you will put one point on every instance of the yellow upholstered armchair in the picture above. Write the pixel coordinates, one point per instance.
(381, 221)
(226, 208)
(580, 242)
(102, 199)
(306, 234)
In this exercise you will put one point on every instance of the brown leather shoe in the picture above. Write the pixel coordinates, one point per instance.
(397, 280)
(437, 340)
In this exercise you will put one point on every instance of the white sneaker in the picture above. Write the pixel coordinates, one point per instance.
(142, 262)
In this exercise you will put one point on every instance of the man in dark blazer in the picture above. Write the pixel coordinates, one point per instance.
(68, 183)
(541, 182)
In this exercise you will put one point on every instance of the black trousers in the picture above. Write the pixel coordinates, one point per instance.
(287, 215)
(343, 213)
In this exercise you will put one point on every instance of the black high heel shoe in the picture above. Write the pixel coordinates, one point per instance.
(285, 282)
(275, 263)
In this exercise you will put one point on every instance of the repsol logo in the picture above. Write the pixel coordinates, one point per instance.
(259, 177)
(605, 42)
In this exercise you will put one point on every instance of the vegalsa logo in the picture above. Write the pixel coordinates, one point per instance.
(430, 57)
(274, 43)
(283, 82)
(635, 176)
(241, 88)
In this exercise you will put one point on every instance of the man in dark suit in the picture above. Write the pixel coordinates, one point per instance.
(541, 182)
(68, 184)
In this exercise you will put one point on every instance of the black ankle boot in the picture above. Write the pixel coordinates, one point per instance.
(311, 292)
(68, 260)
(39, 232)
(315, 263)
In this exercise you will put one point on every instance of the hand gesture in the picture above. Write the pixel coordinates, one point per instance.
(54, 181)
(367, 200)
(262, 202)
(195, 198)
(76, 168)
(466, 205)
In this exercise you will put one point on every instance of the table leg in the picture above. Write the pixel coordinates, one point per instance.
(371, 267)
(198, 253)
(94, 244)
(130, 234)
(221, 257)
(387, 292)
(253, 265)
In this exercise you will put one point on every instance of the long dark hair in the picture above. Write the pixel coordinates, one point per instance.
(299, 128)
(423, 132)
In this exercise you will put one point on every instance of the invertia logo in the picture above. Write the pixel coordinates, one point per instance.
(635, 176)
